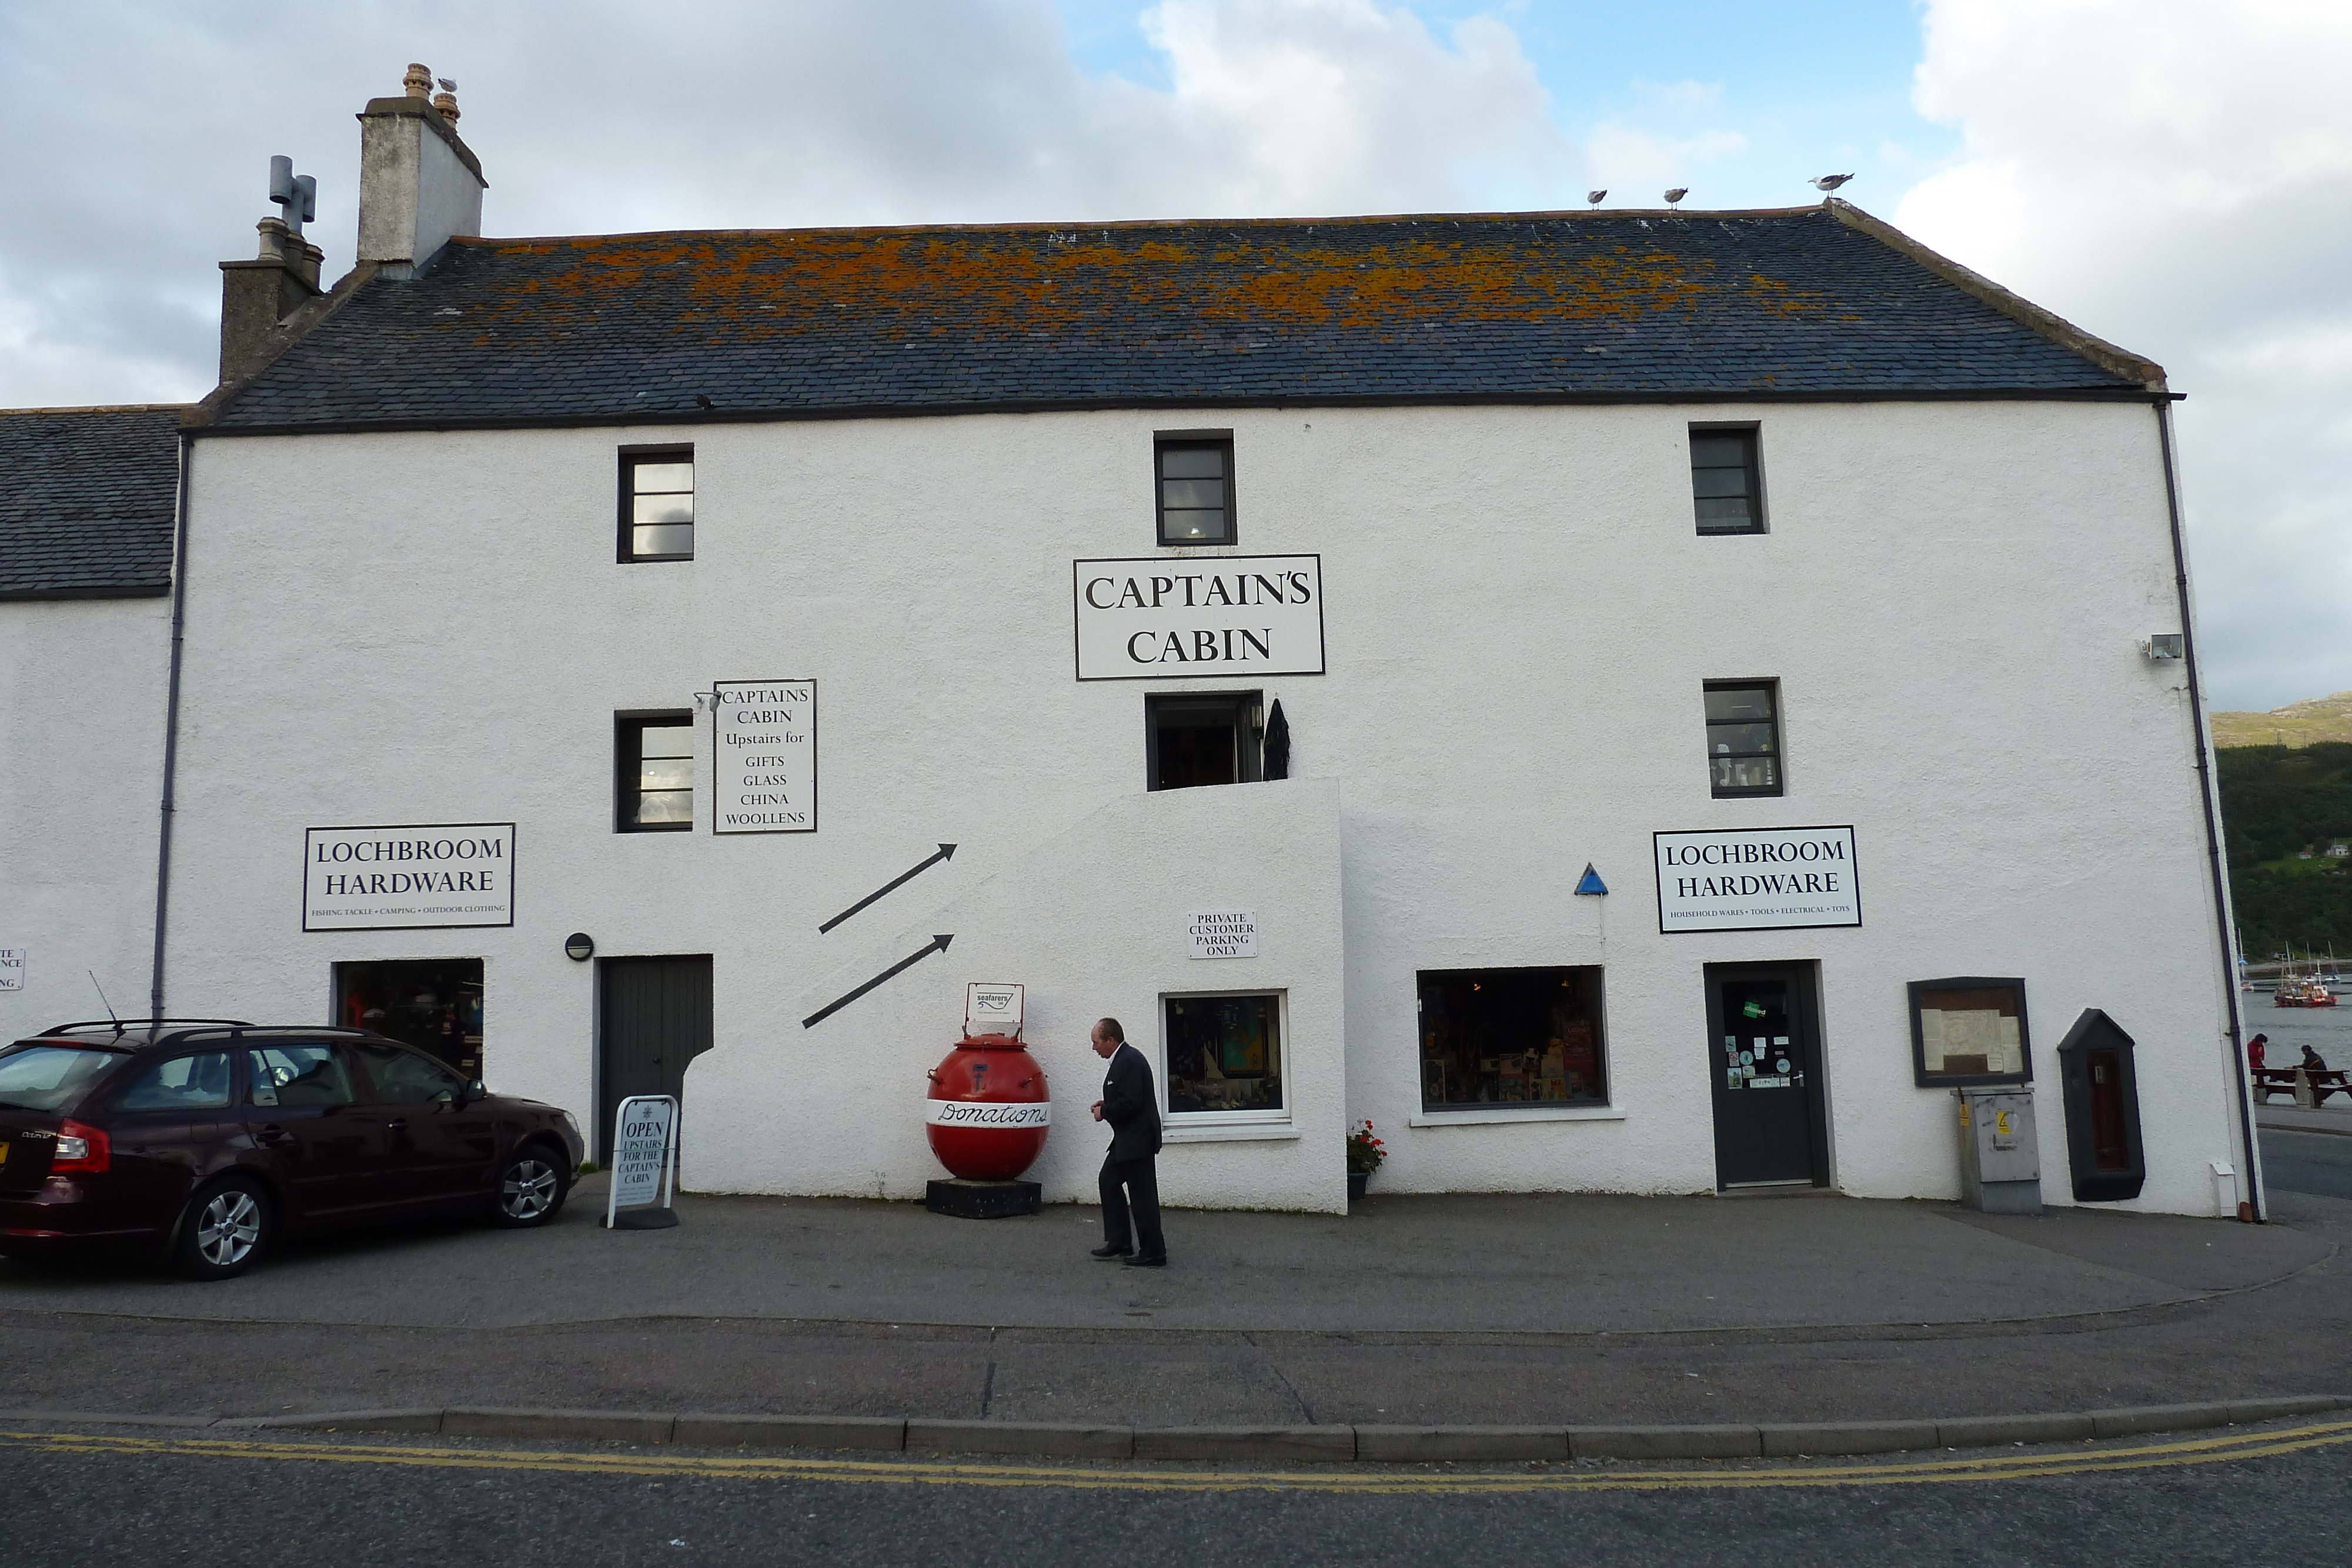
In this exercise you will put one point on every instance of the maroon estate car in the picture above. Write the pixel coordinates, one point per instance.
(209, 1139)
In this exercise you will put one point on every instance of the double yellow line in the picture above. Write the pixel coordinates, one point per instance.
(1728, 1475)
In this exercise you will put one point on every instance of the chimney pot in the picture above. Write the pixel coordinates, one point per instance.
(418, 82)
(447, 103)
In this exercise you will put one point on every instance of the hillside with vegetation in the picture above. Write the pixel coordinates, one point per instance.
(2298, 723)
(2278, 804)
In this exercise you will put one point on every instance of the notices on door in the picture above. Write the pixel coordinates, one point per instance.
(1757, 879)
(765, 757)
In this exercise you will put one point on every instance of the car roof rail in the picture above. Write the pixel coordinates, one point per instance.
(123, 1026)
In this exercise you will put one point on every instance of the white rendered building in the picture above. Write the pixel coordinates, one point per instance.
(1294, 626)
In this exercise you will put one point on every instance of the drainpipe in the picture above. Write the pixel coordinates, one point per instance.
(2208, 798)
(170, 728)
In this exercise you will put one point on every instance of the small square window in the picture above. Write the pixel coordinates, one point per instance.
(1194, 475)
(1726, 485)
(653, 757)
(1203, 739)
(657, 504)
(1743, 737)
(1225, 1056)
(1511, 1036)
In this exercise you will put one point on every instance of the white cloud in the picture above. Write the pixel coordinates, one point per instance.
(2176, 175)
(146, 127)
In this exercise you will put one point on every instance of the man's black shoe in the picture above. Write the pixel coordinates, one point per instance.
(1112, 1252)
(1158, 1262)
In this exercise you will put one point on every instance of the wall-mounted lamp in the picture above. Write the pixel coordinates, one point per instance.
(2162, 645)
(580, 946)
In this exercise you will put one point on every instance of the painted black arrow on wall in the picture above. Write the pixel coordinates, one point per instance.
(935, 945)
(947, 851)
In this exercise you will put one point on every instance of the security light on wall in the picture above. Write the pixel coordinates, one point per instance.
(2162, 645)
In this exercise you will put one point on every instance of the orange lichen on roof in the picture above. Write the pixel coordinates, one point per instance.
(1038, 280)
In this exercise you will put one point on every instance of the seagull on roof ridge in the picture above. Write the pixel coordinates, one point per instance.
(1674, 196)
(1827, 181)
(1594, 196)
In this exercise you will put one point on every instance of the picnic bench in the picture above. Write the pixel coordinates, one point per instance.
(2270, 1080)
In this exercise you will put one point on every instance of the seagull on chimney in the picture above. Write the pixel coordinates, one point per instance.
(1829, 182)
(449, 86)
(1594, 196)
(1674, 196)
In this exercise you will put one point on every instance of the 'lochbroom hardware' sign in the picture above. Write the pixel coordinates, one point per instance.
(408, 878)
(766, 758)
(1236, 615)
(1757, 879)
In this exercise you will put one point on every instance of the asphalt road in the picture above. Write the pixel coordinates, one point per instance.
(2317, 1163)
(74, 1503)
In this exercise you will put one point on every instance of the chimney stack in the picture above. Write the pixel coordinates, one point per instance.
(258, 296)
(419, 185)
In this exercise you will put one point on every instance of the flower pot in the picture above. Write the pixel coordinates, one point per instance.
(1356, 1180)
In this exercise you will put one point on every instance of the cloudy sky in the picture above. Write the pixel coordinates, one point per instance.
(2165, 172)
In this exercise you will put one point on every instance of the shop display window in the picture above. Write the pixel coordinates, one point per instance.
(432, 1004)
(1225, 1055)
(1970, 1031)
(1512, 1037)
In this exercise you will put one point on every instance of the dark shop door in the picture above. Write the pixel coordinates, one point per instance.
(1764, 1056)
(656, 1018)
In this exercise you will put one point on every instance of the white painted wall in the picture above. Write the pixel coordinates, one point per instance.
(419, 628)
(82, 683)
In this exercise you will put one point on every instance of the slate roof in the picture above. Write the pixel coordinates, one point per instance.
(1414, 309)
(88, 497)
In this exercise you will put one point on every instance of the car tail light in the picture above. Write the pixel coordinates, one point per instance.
(80, 1147)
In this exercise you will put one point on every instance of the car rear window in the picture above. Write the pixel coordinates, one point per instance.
(49, 1077)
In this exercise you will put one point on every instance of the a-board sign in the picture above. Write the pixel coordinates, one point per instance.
(1226, 615)
(1757, 879)
(763, 761)
(991, 1007)
(644, 1163)
(1223, 933)
(12, 969)
(410, 878)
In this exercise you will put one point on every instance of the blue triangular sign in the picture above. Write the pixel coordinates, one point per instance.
(1590, 882)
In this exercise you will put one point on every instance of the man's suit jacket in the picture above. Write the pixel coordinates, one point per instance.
(1131, 1106)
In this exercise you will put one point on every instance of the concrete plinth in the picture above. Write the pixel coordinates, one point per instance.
(981, 1199)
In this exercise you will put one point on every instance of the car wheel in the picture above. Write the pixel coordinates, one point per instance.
(225, 1231)
(531, 1188)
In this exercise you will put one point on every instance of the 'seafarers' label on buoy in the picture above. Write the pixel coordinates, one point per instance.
(987, 1113)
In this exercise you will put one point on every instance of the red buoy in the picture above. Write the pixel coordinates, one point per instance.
(988, 1108)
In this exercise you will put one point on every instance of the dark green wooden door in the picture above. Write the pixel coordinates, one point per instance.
(655, 1018)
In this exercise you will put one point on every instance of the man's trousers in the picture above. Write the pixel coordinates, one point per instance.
(1132, 1185)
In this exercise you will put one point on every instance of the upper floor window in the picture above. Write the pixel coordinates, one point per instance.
(653, 756)
(1726, 485)
(1196, 487)
(657, 504)
(1743, 737)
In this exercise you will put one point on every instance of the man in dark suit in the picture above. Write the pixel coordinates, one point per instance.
(1130, 1183)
